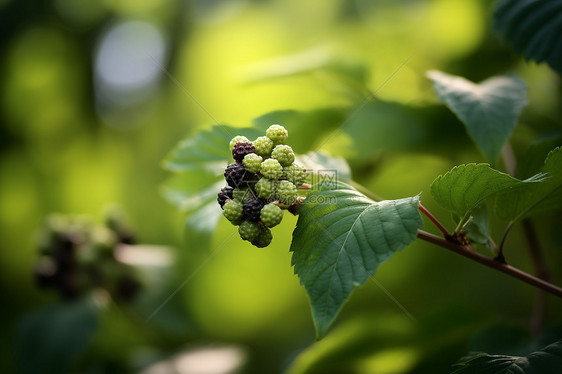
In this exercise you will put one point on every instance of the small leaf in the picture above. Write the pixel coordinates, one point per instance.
(477, 228)
(533, 28)
(489, 110)
(464, 187)
(535, 198)
(340, 240)
(546, 361)
(50, 340)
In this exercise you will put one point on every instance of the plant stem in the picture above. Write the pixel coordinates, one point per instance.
(500, 257)
(541, 270)
(487, 261)
(434, 220)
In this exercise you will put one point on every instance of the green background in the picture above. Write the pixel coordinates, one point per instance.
(73, 141)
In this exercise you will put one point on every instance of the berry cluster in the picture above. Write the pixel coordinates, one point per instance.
(77, 256)
(262, 182)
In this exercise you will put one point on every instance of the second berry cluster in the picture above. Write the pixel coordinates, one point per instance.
(261, 182)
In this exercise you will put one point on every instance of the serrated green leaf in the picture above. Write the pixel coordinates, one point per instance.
(340, 240)
(464, 187)
(533, 28)
(51, 339)
(489, 110)
(546, 361)
(536, 198)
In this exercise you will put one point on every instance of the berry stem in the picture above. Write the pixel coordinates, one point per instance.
(490, 262)
(435, 221)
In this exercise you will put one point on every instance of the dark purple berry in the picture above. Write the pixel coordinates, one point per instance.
(127, 288)
(242, 149)
(252, 209)
(236, 175)
(225, 194)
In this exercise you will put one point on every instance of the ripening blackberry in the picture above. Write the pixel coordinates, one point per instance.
(286, 192)
(242, 149)
(252, 209)
(233, 211)
(263, 146)
(271, 215)
(242, 194)
(264, 238)
(252, 162)
(225, 194)
(271, 169)
(284, 154)
(295, 173)
(238, 139)
(235, 175)
(265, 188)
(249, 230)
(277, 133)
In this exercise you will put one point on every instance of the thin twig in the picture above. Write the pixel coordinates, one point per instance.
(541, 270)
(434, 220)
(487, 261)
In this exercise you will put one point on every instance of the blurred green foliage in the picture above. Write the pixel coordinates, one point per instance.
(80, 129)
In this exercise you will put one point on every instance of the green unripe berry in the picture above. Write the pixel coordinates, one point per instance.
(295, 174)
(271, 169)
(263, 146)
(271, 215)
(252, 162)
(249, 230)
(242, 194)
(238, 139)
(265, 188)
(277, 133)
(284, 154)
(233, 211)
(286, 192)
(264, 238)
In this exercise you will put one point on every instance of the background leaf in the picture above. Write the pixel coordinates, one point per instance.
(323, 166)
(540, 197)
(206, 148)
(533, 28)
(340, 240)
(49, 340)
(464, 187)
(489, 110)
(546, 361)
